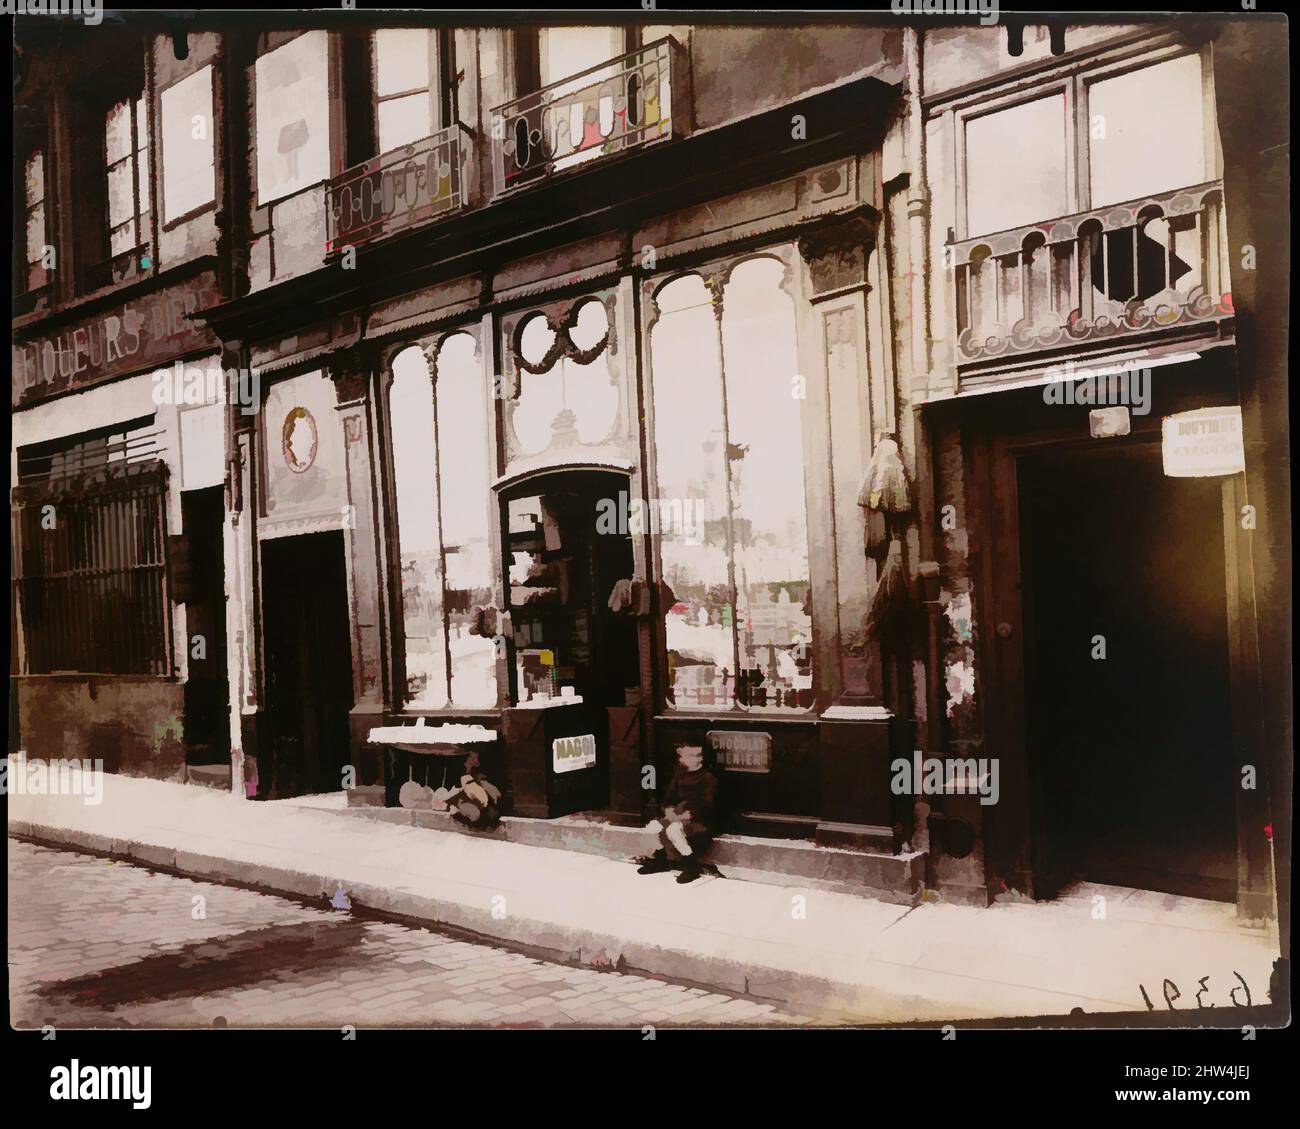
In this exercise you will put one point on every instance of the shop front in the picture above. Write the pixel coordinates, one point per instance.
(611, 509)
(117, 464)
(1113, 679)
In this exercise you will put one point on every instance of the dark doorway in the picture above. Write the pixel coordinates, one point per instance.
(308, 665)
(1131, 753)
(207, 689)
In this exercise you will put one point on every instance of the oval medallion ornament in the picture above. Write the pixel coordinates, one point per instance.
(299, 440)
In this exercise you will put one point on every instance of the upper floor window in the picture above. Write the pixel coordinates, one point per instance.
(1136, 131)
(36, 237)
(565, 51)
(729, 456)
(1146, 131)
(1125, 153)
(126, 154)
(292, 116)
(188, 160)
(1016, 167)
(407, 86)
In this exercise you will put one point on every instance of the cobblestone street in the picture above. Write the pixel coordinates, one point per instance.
(98, 943)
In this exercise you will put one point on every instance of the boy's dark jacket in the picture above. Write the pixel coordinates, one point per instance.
(697, 793)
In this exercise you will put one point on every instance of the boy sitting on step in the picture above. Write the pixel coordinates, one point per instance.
(687, 824)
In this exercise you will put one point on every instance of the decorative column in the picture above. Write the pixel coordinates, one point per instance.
(353, 373)
(857, 730)
(239, 543)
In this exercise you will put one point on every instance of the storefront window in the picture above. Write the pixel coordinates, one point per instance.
(729, 456)
(567, 394)
(441, 473)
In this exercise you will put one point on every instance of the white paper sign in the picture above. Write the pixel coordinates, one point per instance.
(1203, 443)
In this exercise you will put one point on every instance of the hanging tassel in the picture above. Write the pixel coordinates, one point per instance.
(877, 535)
(889, 600)
(885, 488)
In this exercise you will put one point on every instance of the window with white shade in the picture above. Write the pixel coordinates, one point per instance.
(189, 180)
(565, 51)
(292, 116)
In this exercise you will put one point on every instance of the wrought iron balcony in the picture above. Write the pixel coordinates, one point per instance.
(400, 189)
(1128, 269)
(625, 103)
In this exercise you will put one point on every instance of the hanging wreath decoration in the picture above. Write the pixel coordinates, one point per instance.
(563, 345)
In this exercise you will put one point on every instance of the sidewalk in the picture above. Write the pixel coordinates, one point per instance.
(830, 955)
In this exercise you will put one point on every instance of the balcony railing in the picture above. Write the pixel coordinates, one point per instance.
(397, 190)
(1127, 269)
(626, 103)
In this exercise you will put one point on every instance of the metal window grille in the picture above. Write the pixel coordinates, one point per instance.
(89, 559)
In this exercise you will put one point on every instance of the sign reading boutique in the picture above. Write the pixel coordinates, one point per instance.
(147, 331)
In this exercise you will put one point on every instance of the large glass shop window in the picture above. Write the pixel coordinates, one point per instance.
(730, 461)
(440, 466)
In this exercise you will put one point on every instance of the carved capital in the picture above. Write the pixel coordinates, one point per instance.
(838, 250)
(350, 369)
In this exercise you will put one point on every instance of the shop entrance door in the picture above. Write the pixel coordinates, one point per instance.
(207, 690)
(1127, 694)
(308, 665)
(567, 553)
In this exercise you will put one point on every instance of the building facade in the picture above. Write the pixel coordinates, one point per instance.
(620, 387)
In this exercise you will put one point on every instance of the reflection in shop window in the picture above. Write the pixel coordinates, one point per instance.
(440, 467)
(739, 631)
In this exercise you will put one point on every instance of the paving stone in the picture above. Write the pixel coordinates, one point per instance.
(77, 921)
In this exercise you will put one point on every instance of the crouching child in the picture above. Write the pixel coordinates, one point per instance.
(688, 820)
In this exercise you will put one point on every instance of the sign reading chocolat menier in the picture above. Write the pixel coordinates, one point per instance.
(136, 335)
